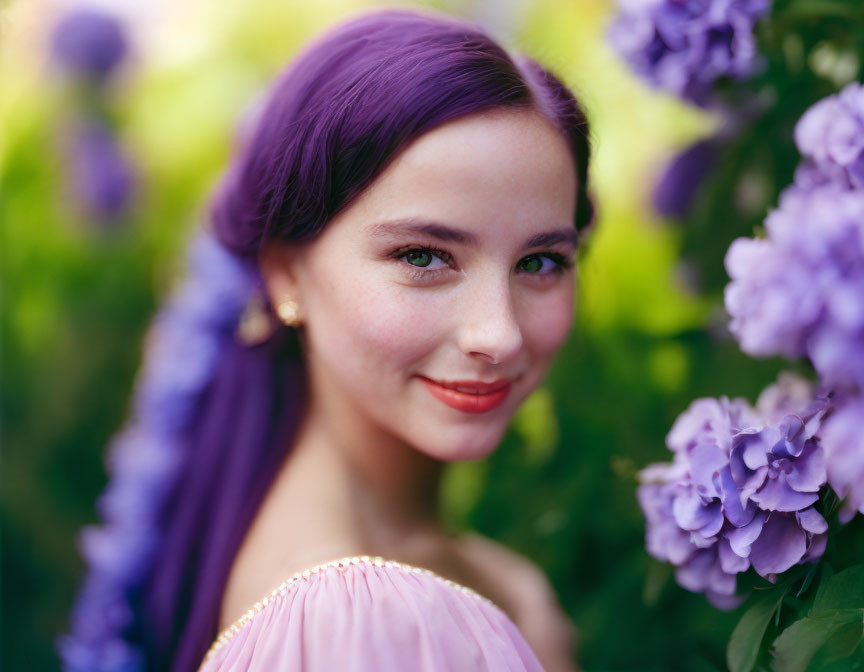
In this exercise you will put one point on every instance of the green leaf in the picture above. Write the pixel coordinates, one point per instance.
(844, 590)
(747, 637)
(845, 641)
(798, 643)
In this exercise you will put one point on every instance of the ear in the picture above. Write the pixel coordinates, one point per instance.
(277, 262)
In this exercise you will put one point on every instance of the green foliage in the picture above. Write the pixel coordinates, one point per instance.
(747, 636)
(794, 649)
(844, 590)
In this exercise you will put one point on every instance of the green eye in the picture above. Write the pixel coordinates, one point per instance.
(420, 258)
(532, 264)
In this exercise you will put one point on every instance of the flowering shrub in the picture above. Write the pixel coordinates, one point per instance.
(759, 487)
(799, 291)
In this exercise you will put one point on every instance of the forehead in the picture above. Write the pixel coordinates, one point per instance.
(499, 170)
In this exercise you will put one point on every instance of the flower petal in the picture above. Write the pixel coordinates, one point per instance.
(780, 545)
(741, 538)
(737, 514)
(811, 520)
(730, 561)
(808, 473)
(776, 495)
(692, 514)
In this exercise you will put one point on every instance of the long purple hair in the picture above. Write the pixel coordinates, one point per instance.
(214, 414)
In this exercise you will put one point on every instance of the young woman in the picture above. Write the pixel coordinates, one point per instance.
(387, 273)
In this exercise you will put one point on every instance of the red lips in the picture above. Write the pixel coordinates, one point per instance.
(469, 396)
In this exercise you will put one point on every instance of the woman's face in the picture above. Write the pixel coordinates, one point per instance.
(456, 264)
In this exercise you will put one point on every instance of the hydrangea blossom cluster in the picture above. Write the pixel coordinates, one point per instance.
(799, 290)
(685, 46)
(830, 136)
(740, 492)
(181, 350)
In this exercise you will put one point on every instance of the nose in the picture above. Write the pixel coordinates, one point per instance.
(489, 328)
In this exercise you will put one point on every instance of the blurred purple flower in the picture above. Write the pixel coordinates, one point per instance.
(790, 394)
(186, 337)
(830, 135)
(739, 493)
(88, 42)
(674, 193)
(100, 174)
(181, 351)
(843, 441)
(798, 291)
(684, 46)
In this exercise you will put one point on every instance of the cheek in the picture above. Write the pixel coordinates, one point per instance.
(547, 320)
(371, 324)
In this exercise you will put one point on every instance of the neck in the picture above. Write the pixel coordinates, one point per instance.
(364, 489)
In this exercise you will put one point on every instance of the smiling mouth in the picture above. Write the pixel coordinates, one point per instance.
(469, 396)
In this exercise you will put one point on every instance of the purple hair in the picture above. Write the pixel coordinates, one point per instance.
(214, 415)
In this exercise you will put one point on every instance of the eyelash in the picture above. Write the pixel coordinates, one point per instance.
(561, 262)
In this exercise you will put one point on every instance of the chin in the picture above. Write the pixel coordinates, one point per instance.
(464, 443)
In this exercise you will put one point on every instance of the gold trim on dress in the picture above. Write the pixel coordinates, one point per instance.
(228, 633)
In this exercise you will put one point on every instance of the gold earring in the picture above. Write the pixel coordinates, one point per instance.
(289, 312)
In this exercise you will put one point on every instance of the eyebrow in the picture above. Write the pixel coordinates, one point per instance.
(449, 234)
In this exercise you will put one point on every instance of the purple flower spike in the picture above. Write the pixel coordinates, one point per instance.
(101, 176)
(143, 459)
(89, 43)
(684, 47)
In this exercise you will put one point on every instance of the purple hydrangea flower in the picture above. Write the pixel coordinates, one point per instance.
(710, 421)
(684, 46)
(740, 492)
(830, 136)
(89, 43)
(843, 440)
(798, 291)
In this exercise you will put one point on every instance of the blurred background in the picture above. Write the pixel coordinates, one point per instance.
(103, 177)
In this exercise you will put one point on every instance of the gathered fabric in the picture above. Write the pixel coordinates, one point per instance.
(365, 614)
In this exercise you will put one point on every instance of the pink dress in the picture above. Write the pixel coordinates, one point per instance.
(365, 614)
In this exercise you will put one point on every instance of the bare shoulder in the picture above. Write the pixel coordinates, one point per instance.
(510, 568)
(539, 615)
